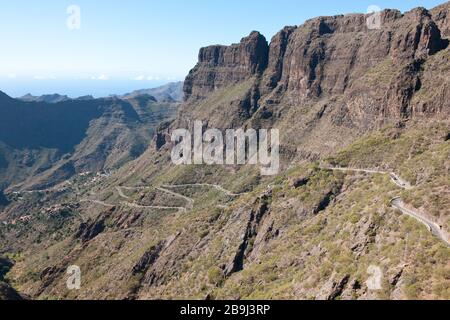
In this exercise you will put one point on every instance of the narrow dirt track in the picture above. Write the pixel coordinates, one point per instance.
(190, 201)
(138, 206)
(216, 186)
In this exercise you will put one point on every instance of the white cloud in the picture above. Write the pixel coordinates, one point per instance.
(100, 77)
(40, 77)
(153, 78)
(139, 78)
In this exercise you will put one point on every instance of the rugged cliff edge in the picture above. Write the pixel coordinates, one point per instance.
(330, 75)
(329, 57)
(221, 66)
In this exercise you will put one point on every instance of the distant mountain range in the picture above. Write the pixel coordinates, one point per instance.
(53, 98)
(45, 140)
(171, 92)
(49, 98)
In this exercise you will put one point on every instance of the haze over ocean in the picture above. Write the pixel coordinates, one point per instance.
(75, 88)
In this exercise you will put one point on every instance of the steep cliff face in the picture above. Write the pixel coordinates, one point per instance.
(332, 78)
(221, 66)
(441, 15)
(375, 72)
(328, 55)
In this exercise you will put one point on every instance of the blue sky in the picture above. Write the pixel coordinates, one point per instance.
(141, 43)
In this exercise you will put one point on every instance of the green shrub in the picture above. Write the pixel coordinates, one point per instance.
(215, 276)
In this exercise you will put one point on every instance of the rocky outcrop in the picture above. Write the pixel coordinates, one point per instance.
(157, 264)
(257, 214)
(162, 136)
(49, 275)
(148, 258)
(5, 266)
(327, 55)
(441, 15)
(329, 194)
(331, 74)
(334, 288)
(91, 229)
(298, 182)
(277, 51)
(221, 66)
(8, 293)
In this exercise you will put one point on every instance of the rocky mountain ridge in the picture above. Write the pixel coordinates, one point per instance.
(330, 75)
(300, 63)
(49, 98)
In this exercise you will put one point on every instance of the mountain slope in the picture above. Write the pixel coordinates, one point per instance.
(341, 96)
(42, 144)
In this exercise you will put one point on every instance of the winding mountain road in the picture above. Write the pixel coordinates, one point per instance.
(394, 177)
(166, 189)
(138, 206)
(120, 192)
(190, 201)
(398, 203)
(163, 189)
(133, 205)
(102, 203)
(216, 186)
(433, 227)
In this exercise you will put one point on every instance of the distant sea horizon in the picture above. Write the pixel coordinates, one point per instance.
(76, 88)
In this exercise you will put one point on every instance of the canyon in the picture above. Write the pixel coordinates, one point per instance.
(341, 96)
